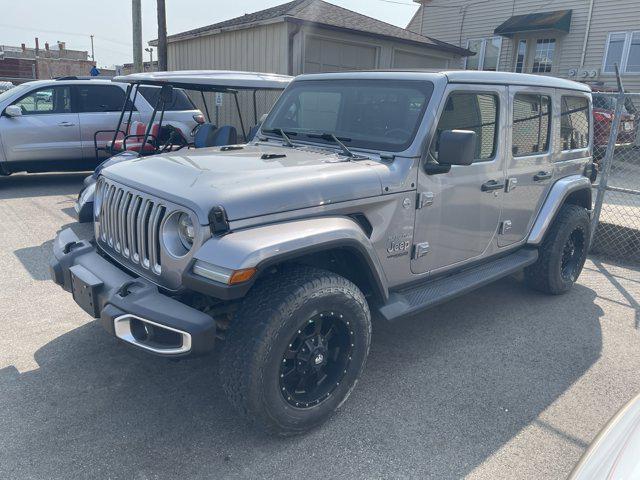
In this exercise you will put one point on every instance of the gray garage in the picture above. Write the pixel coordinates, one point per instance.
(307, 36)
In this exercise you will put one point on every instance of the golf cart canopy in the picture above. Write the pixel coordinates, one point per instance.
(210, 80)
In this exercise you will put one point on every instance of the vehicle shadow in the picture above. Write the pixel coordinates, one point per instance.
(441, 393)
(40, 184)
(35, 259)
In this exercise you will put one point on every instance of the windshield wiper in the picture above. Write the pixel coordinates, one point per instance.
(336, 140)
(282, 133)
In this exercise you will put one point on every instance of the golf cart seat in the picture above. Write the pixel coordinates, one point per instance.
(225, 135)
(134, 138)
(208, 136)
(133, 141)
(204, 135)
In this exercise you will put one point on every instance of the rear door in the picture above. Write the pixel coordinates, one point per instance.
(99, 108)
(530, 166)
(459, 211)
(48, 129)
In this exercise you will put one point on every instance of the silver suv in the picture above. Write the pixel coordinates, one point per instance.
(370, 193)
(50, 125)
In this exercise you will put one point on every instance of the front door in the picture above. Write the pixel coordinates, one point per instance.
(530, 169)
(459, 211)
(48, 129)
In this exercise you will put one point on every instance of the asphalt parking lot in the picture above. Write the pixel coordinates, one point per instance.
(504, 383)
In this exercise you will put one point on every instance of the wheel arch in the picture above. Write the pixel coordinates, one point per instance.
(574, 189)
(337, 244)
(346, 258)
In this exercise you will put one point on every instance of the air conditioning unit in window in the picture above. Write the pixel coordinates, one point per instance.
(583, 73)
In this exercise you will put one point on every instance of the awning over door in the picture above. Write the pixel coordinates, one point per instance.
(559, 20)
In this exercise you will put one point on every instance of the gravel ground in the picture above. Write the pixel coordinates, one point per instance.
(504, 383)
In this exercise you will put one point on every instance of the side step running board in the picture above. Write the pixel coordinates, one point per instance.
(425, 295)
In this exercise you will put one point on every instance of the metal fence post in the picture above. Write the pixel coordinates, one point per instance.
(606, 165)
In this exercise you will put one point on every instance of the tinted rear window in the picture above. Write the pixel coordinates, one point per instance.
(181, 100)
(574, 123)
(100, 98)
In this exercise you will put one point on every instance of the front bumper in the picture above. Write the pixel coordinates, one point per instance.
(130, 308)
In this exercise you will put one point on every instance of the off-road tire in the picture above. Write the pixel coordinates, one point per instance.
(274, 311)
(546, 275)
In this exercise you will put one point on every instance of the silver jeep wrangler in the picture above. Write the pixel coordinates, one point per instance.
(371, 193)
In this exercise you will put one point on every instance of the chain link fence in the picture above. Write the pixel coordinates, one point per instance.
(616, 151)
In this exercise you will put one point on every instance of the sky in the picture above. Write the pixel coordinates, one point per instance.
(109, 21)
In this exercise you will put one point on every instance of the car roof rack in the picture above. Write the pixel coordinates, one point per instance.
(75, 77)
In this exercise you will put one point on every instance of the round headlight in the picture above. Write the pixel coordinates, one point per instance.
(186, 230)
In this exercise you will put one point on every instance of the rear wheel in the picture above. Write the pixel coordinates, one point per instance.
(563, 252)
(296, 349)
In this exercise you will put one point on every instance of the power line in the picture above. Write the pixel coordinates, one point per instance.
(66, 33)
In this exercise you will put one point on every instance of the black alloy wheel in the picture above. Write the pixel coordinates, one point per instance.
(572, 255)
(316, 360)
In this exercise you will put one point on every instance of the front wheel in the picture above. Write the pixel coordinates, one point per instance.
(296, 349)
(562, 253)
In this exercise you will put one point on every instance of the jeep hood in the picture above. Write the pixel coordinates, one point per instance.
(252, 181)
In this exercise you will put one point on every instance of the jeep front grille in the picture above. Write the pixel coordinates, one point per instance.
(128, 223)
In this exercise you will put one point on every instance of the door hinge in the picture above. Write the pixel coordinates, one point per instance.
(420, 249)
(505, 227)
(512, 183)
(425, 199)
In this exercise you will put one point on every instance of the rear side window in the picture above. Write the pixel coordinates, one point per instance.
(531, 124)
(471, 111)
(181, 100)
(574, 125)
(100, 98)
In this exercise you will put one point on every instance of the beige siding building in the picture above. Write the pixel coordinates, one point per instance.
(307, 36)
(302, 36)
(576, 39)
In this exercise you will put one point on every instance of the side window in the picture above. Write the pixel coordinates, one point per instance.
(471, 111)
(100, 98)
(574, 125)
(531, 124)
(45, 101)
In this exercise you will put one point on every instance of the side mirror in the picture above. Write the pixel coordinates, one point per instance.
(457, 147)
(13, 111)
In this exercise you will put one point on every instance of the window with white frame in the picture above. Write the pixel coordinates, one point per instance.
(487, 55)
(543, 58)
(623, 49)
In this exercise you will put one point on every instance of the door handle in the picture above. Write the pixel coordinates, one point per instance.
(66, 124)
(540, 176)
(492, 185)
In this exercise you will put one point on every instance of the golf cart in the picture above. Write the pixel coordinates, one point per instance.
(228, 99)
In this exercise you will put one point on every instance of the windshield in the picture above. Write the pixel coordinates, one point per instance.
(180, 102)
(370, 114)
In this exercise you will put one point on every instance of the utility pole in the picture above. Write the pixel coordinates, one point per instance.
(162, 36)
(136, 11)
(150, 50)
(93, 55)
